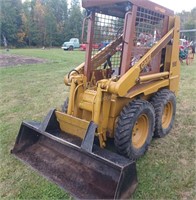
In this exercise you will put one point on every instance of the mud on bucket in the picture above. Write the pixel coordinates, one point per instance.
(70, 163)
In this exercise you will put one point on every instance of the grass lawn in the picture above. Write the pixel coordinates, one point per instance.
(28, 92)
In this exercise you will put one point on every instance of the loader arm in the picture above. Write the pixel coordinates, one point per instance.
(132, 76)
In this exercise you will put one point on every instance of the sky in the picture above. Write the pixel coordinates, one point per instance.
(177, 5)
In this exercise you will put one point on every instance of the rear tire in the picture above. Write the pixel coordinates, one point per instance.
(71, 48)
(164, 103)
(134, 130)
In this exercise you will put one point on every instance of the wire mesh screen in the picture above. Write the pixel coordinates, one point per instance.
(149, 29)
(107, 29)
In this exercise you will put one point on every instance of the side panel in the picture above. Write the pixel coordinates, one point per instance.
(175, 62)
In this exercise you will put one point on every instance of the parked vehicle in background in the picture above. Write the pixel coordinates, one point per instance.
(83, 47)
(99, 46)
(103, 44)
(186, 51)
(71, 44)
(183, 53)
(183, 43)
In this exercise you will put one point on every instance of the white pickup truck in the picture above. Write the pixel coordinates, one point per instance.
(73, 43)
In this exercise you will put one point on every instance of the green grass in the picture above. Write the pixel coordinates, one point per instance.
(167, 171)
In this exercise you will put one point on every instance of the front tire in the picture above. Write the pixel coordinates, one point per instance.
(164, 103)
(71, 48)
(134, 129)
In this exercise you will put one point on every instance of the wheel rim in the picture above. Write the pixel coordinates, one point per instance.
(167, 115)
(140, 131)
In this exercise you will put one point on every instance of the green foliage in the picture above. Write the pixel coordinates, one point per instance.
(75, 20)
(40, 22)
(51, 22)
(11, 21)
(188, 21)
(166, 171)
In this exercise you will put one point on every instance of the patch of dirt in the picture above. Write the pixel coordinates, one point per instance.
(7, 60)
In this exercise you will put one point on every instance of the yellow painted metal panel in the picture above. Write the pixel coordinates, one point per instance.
(117, 105)
(148, 88)
(175, 63)
(72, 125)
(89, 95)
(111, 127)
(86, 106)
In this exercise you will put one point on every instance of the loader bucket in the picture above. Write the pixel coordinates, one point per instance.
(84, 172)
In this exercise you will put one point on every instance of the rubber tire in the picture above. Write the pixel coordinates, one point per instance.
(124, 127)
(65, 105)
(71, 48)
(159, 100)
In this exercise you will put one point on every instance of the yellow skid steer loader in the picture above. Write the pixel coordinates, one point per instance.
(120, 97)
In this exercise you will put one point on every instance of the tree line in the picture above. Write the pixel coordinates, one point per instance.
(51, 22)
(39, 22)
(188, 22)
